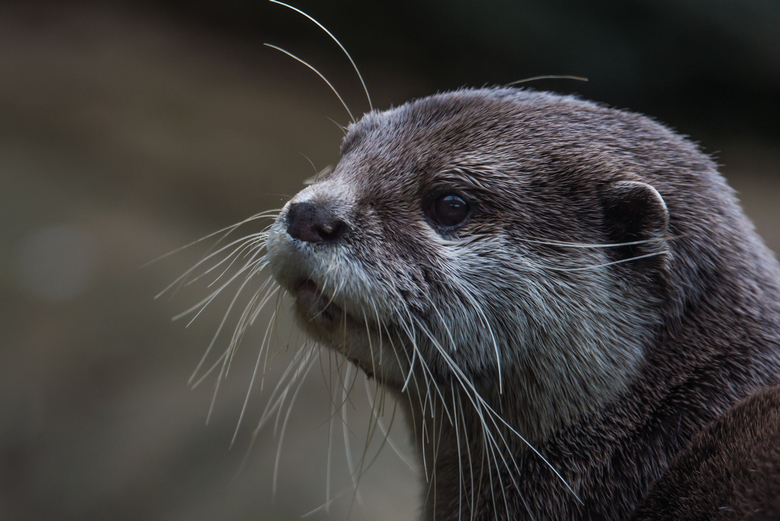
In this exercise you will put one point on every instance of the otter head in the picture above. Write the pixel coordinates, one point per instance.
(499, 243)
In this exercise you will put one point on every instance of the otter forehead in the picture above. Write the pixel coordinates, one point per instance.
(511, 128)
(537, 156)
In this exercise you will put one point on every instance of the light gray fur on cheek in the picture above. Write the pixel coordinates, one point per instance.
(561, 348)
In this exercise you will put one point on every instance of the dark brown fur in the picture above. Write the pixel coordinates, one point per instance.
(702, 291)
(730, 471)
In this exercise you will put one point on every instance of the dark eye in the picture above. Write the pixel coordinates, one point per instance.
(447, 210)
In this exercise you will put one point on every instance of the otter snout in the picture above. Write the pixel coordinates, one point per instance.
(313, 223)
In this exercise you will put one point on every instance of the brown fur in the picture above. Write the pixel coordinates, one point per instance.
(730, 471)
(609, 372)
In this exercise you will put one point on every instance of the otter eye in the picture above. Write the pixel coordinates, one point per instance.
(447, 210)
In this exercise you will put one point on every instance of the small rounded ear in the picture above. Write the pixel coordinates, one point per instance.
(636, 221)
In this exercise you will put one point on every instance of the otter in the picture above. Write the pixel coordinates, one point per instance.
(567, 299)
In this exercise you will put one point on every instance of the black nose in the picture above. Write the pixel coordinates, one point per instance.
(310, 223)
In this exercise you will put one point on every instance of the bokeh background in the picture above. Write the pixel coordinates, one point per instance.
(129, 129)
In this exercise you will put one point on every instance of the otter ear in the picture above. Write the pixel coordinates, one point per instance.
(635, 213)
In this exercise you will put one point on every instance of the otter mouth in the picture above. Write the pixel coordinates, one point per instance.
(325, 316)
(313, 304)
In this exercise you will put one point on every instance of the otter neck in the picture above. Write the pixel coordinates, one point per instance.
(466, 448)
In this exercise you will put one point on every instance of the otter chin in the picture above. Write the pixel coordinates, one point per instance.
(570, 296)
(312, 305)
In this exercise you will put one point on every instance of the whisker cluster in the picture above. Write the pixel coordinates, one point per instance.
(238, 263)
(440, 392)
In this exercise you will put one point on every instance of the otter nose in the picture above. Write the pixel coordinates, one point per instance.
(310, 223)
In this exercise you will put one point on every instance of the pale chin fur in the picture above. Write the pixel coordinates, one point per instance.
(326, 288)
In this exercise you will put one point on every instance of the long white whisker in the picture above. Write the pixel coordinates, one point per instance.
(370, 344)
(251, 311)
(198, 264)
(603, 265)
(254, 375)
(485, 322)
(369, 437)
(473, 395)
(318, 73)
(416, 384)
(365, 89)
(460, 456)
(200, 306)
(468, 453)
(386, 430)
(330, 301)
(279, 394)
(350, 465)
(261, 215)
(565, 244)
(546, 77)
(331, 413)
(284, 425)
(238, 253)
(219, 329)
(425, 370)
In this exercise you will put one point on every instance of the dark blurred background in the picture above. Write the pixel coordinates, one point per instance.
(128, 129)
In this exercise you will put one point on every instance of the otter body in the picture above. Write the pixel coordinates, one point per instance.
(563, 296)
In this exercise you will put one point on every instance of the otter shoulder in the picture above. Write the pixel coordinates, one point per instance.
(731, 470)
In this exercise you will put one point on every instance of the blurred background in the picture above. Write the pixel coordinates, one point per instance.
(129, 129)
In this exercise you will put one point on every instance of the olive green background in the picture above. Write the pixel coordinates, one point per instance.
(128, 130)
